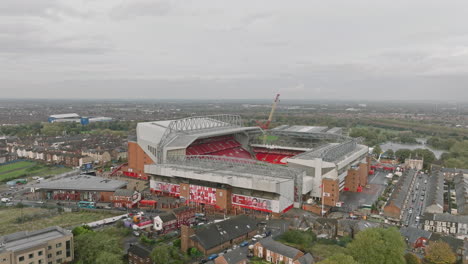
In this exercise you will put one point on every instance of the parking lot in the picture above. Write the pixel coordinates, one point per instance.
(354, 200)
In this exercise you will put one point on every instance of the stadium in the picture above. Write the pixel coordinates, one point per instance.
(217, 161)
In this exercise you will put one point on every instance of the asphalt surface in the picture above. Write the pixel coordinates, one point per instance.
(416, 202)
(354, 200)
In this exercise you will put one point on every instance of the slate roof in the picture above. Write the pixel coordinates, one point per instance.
(413, 234)
(216, 234)
(445, 217)
(435, 191)
(306, 259)
(167, 217)
(401, 190)
(140, 250)
(237, 255)
(461, 190)
(279, 248)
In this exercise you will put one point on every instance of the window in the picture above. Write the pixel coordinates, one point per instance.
(59, 253)
(21, 258)
(59, 260)
(58, 245)
(31, 255)
(49, 255)
(49, 247)
(39, 253)
(40, 261)
(68, 248)
(50, 262)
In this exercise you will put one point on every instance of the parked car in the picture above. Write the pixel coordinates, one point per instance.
(244, 244)
(212, 256)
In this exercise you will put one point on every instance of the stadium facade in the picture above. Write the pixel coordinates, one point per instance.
(216, 160)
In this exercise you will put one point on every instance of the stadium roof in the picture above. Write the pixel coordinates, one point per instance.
(228, 165)
(302, 129)
(25, 239)
(70, 115)
(83, 183)
(181, 133)
(332, 152)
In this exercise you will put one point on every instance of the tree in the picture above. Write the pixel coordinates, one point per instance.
(439, 252)
(378, 245)
(81, 230)
(402, 154)
(389, 153)
(89, 246)
(108, 258)
(377, 150)
(165, 254)
(339, 259)
(412, 259)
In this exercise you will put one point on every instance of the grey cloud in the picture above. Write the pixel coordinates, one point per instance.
(37, 8)
(141, 9)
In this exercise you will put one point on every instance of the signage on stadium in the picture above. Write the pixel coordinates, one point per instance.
(255, 203)
(165, 187)
(201, 194)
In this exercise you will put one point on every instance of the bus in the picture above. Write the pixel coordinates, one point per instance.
(366, 206)
(86, 204)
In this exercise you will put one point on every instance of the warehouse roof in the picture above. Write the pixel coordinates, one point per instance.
(70, 115)
(83, 183)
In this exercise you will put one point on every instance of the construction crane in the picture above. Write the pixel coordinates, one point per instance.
(266, 124)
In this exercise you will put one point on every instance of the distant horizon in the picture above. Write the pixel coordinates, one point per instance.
(263, 100)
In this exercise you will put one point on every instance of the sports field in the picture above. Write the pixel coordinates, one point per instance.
(25, 169)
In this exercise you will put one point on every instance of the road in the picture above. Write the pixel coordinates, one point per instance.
(416, 201)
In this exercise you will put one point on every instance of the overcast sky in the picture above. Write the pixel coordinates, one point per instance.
(234, 49)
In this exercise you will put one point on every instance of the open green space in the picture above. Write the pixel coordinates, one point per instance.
(29, 170)
(16, 165)
(21, 219)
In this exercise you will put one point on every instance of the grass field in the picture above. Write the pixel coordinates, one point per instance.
(16, 165)
(9, 216)
(29, 169)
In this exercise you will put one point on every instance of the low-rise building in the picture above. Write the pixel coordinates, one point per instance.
(216, 237)
(435, 193)
(49, 245)
(236, 256)
(446, 223)
(276, 252)
(461, 191)
(399, 198)
(79, 188)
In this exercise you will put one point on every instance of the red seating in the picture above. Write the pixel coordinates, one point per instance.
(219, 146)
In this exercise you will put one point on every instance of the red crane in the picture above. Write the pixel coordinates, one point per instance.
(266, 124)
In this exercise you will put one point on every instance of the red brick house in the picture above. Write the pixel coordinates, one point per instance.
(276, 252)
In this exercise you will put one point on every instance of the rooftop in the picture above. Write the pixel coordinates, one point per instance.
(216, 234)
(83, 183)
(236, 256)
(279, 248)
(70, 115)
(333, 152)
(401, 189)
(25, 239)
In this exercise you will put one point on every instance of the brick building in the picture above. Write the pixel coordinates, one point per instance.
(216, 237)
(276, 252)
